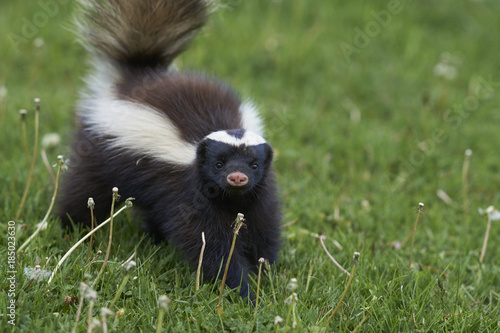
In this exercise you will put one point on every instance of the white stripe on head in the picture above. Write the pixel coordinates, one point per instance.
(250, 118)
(248, 138)
(138, 129)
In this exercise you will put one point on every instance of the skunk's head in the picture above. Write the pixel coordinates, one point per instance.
(235, 160)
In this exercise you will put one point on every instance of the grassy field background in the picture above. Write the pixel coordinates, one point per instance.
(370, 108)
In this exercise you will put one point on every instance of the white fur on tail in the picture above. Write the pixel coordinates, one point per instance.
(250, 118)
(137, 129)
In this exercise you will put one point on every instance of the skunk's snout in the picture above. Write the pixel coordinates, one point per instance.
(237, 179)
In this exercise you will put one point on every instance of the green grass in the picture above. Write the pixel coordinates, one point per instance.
(359, 142)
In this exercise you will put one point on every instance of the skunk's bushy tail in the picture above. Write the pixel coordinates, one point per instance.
(140, 33)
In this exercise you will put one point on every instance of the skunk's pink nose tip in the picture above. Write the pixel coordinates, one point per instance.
(237, 179)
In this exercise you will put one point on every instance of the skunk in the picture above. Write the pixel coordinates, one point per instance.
(184, 146)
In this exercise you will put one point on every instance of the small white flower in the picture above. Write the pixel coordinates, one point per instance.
(292, 285)
(3, 92)
(445, 70)
(291, 298)
(51, 140)
(493, 213)
(23, 114)
(447, 66)
(106, 312)
(94, 324)
(42, 225)
(91, 294)
(163, 302)
(365, 204)
(396, 245)
(129, 202)
(356, 257)
(36, 273)
(63, 162)
(129, 266)
(278, 320)
(38, 42)
(91, 203)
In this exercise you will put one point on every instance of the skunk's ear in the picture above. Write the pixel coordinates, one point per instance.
(201, 151)
(269, 155)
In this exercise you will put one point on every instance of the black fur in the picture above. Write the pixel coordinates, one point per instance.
(178, 201)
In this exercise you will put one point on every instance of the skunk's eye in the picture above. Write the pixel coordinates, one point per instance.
(254, 166)
(219, 165)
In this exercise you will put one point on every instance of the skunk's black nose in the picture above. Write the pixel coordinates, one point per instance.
(237, 179)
